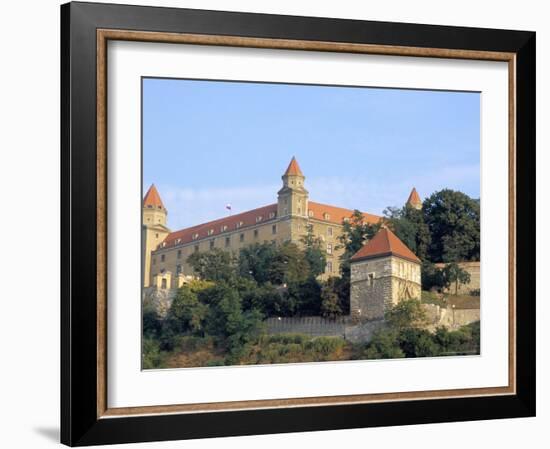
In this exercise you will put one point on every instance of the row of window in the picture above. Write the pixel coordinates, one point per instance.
(212, 243)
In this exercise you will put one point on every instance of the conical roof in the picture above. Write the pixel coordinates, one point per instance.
(414, 198)
(152, 198)
(293, 168)
(385, 243)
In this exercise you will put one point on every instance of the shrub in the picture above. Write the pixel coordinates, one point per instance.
(151, 356)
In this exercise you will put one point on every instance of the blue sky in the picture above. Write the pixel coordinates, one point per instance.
(209, 143)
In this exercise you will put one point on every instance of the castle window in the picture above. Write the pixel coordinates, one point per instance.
(162, 258)
(329, 231)
(310, 213)
(223, 228)
(162, 270)
(195, 236)
(255, 233)
(210, 231)
(178, 269)
(154, 260)
(227, 241)
(241, 237)
(329, 248)
(239, 224)
(259, 218)
(196, 248)
(285, 201)
(329, 267)
(274, 229)
(211, 244)
(179, 253)
(148, 219)
(326, 216)
(163, 244)
(346, 219)
(157, 235)
(272, 215)
(299, 211)
(371, 279)
(163, 283)
(178, 241)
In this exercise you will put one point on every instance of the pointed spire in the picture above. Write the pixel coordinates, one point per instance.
(385, 243)
(414, 199)
(293, 168)
(152, 198)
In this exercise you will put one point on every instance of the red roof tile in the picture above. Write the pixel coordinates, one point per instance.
(414, 198)
(222, 225)
(335, 214)
(385, 243)
(152, 198)
(293, 168)
(243, 220)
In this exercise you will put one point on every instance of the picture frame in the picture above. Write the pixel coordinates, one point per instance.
(86, 28)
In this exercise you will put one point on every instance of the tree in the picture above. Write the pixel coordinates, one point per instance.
(314, 253)
(289, 265)
(408, 224)
(186, 313)
(453, 220)
(330, 302)
(355, 232)
(406, 314)
(255, 261)
(214, 265)
(454, 274)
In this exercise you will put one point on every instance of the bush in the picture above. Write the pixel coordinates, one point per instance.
(151, 356)
(325, 345)
(417, 343)
(383, 345)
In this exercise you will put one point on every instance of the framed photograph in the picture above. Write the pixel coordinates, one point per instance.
(282, 224)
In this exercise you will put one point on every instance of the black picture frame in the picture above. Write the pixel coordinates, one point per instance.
(80, 424)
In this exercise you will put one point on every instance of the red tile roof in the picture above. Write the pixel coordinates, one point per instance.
(385, 243)
(152, 198)
(243, 220)
(335, 214)
(293, 168)
(414, 198)
(222, 225)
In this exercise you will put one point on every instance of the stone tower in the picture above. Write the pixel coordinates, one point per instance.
(293, 197)
(383, 272)
(414, 200)
(153, 230)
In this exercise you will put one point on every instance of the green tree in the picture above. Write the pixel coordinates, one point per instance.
(453, 220)
(417, 343)
(456, 275)
(408, 224)
(355, 232)
(314, 252)
(406, 314)
(289, 265)
(330, 302)
(255, 261)
(186, 313)
(214, 265)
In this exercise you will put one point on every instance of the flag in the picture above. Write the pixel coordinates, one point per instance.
(228, 206)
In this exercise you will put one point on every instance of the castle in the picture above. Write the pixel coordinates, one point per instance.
(382, 272)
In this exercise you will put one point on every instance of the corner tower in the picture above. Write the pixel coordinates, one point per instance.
(414, 200)
(293, 197)
(153, 229)
(383, 272)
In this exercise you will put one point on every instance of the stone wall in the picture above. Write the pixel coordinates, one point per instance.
(160, 299)
(452, 318)
(315, 326)
(473, 268)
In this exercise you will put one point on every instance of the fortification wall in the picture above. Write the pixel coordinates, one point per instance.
(449, 317)
(473, 268)
(315, 326)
